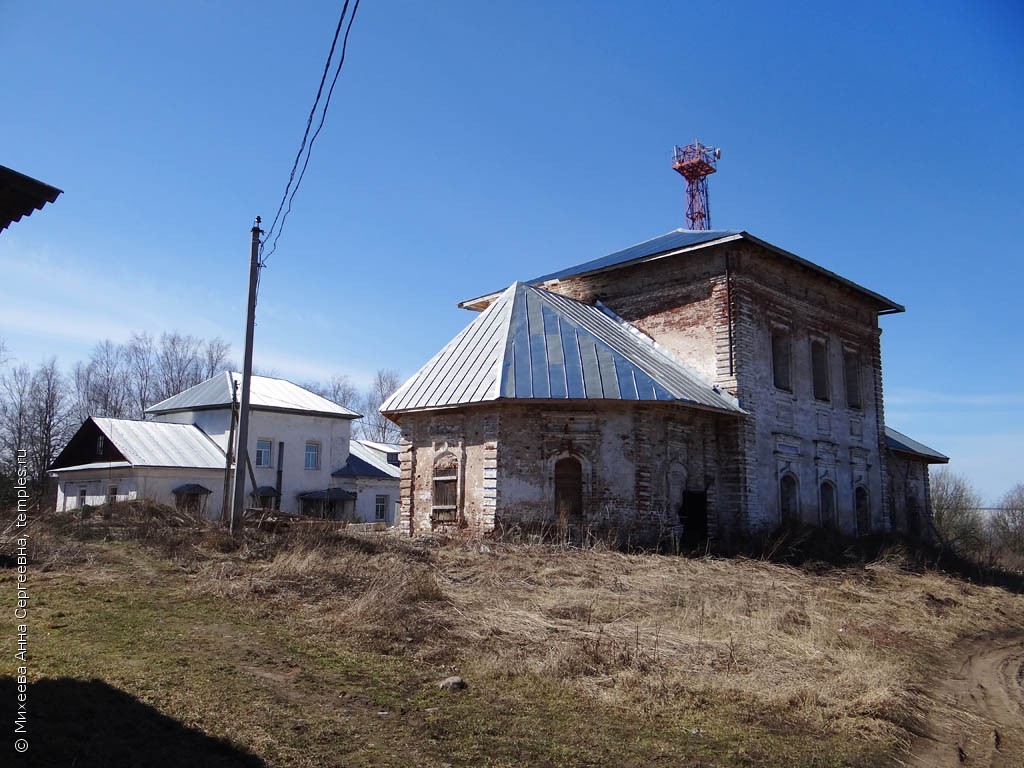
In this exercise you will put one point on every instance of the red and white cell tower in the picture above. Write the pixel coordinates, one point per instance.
(695, 162)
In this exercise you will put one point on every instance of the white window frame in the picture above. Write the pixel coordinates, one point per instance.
(268, 460)
(315, 445)
(380, 506)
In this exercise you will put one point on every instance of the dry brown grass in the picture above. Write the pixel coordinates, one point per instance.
(841, 652)
(844, 653)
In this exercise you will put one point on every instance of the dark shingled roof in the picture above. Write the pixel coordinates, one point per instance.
(20, 195)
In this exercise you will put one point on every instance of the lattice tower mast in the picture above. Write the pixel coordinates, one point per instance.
(695, 162)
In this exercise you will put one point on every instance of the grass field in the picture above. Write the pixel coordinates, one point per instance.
(158, 643)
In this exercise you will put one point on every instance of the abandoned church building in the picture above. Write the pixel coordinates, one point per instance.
(704, 383)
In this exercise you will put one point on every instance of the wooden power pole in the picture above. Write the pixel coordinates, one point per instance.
(242, 452)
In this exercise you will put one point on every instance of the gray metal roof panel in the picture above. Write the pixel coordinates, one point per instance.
(533, 344)
(682, 239)
(364, 461)
(897, 441)
(670, 241)
(156, 444)
(265, 393)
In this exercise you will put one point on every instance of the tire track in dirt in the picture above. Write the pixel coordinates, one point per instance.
(977, 711)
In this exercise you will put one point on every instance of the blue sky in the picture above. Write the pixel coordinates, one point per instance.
(471, 144)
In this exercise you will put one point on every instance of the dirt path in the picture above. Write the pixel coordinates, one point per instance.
(982, 696)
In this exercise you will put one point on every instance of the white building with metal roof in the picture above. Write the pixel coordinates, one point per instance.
(297, 441)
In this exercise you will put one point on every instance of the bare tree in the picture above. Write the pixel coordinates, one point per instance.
(15, 414)
(101, 385)
(215, 358)
(140, 361)
(178, 363)
(50, 419)
(1007, 522)
(955, 505)
(339, 389)
(375, 426)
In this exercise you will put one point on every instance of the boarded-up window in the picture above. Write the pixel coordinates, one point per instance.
(819, 369)
(863, 507)
(568, 489)
(828, 504)
(446, 488)
(781, 358)
(789, 499)
(851, 367)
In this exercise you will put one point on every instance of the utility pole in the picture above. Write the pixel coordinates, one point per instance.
(238, 499)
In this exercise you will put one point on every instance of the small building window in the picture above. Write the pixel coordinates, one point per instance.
(782, 358)
(819, 369)
(827, 504)
(111, 494)
(100, 444)
(263, 450)
(446, 489)
(83, 496)
(789, 499)
(393, 458)
(851, 368)
(312, 455)
(380, 507)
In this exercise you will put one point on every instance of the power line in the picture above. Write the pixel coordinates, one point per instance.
(306, 146)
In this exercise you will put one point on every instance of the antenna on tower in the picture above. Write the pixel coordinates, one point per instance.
(695, 162)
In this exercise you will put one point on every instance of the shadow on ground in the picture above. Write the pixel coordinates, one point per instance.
(89, 724)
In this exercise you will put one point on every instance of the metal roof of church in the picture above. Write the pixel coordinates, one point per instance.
(681, 240)
(266, 393)
(531, 343)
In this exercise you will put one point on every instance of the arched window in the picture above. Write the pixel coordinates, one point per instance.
(569, 489)
(789, 499)
(446, 489)
(863, 508)
(827, 504)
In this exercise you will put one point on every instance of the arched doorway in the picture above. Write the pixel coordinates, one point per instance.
(827, 504)
(569, 489)
(862, 506)
(789, 499)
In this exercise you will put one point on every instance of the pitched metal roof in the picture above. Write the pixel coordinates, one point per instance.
(680, 241)
(531, 343)
(366, 462)
(20, 195)
(155, 444)
(266, 394)
(897, 441)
